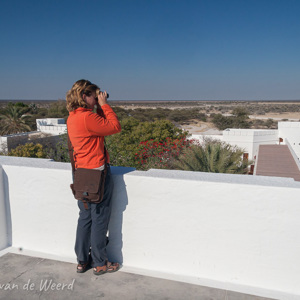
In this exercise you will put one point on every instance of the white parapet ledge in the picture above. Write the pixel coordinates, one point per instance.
(288, 125)
(234, 232)
(156, 173)
(33, 162)
(249, 132)
(218, 177)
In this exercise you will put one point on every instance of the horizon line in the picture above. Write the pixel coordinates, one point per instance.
(169, 100)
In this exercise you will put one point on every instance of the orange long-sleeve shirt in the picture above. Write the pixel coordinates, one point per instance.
(87, 131)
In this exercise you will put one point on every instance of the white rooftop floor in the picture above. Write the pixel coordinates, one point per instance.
(24, 277)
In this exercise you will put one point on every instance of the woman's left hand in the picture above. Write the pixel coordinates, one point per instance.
(102, 98)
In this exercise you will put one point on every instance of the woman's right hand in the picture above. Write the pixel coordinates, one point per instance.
(102, 98)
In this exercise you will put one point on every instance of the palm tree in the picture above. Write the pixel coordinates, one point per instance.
(33, 107)
(215, 157)
(14, 120)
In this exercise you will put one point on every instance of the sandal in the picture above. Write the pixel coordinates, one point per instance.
(108, 268)
(81, 268)
(100, 270)
(112, 267)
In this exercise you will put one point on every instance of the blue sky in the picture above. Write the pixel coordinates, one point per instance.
(151, 50)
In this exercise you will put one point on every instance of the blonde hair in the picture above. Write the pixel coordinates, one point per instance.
(74, 96)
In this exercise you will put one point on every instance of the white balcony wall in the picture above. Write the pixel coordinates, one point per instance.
(5, 224)
(290, 131)
(264, 137)
(11, 141)
(202, 137)
(229, 231)
(54, 129)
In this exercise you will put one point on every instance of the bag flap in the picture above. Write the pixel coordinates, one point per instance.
(87, 180)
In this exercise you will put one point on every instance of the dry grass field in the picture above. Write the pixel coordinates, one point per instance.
(270, 109)
(258, 110)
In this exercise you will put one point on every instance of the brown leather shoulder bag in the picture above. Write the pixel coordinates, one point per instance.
(88, 184)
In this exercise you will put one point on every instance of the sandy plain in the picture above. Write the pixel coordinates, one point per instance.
(208, 128)
(263, 110)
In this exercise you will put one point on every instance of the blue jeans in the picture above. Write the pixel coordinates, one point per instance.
(92, 227)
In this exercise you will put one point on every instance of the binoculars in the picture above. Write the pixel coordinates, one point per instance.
(98, 92)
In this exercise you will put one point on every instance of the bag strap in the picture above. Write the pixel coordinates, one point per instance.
(70, 147)
(85, 204)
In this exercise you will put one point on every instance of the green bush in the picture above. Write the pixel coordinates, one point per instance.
(29, 150)
(123, 146)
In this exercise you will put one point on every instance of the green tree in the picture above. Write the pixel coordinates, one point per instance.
(240, 112)
(123, 146)
(14, 119)
(214, 157)
(33, 108)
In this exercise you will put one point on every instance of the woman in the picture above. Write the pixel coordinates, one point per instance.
(86, 131)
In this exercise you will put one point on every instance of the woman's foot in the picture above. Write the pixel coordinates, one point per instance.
(108, 268)
(82, 267)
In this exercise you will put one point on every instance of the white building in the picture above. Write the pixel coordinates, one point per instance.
(53, 126)
(288, 133)
(250, 139)
(273, 152)
(45, 128)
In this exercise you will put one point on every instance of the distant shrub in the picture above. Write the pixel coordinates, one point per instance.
(270, 123)
(240, 112)
(151, 115)
(58, 110)
(238, 120)
(222, 122)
